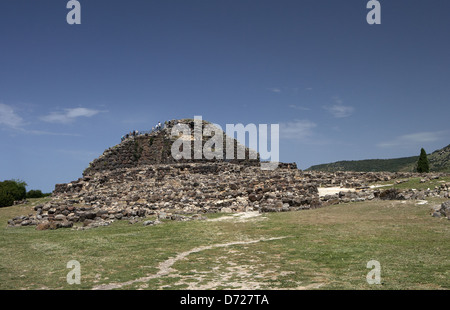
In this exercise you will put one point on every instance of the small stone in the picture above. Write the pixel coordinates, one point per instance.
(226, 210)
(436, 214)
(60, 217)
(43, 226)
(148, 223)
(233, 186)
(252, 197)
(66, 224)
(87, 222)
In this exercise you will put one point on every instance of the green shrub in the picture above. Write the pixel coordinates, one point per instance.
(35, 194)
(10, 191)
(6, 199)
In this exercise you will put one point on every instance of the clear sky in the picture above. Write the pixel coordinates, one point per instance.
(340, 89)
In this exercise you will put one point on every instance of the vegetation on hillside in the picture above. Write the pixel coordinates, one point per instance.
(368, 165)
(439, 161)
(37, 193)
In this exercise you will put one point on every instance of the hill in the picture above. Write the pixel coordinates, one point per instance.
(439, 162)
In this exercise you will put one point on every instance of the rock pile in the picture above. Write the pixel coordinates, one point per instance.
(139, 178)
(172, 191)
(443, 211)
(351, 179)
(195, 188)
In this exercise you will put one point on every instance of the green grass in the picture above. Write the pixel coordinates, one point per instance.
(325, 248)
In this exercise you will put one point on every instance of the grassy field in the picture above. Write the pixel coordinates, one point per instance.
(325, 248)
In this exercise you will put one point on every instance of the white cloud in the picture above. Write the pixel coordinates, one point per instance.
(77, 112)
(14, 122)
(297, 107)
(9, 118)
(298, 129)
(339, 110)
(69, 115)
(275, 90)
(49, 133)
(415, 138)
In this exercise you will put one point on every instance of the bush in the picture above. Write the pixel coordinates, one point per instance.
(6, 199)
(35, 194)
(10, 191)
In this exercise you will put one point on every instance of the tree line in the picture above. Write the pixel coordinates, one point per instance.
(15, 190)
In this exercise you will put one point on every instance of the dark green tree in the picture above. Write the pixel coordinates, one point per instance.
(35, 193)
(423, 166)
(6, 199)
(12, 190)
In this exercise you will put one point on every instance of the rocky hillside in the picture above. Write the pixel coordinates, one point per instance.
(173, 189)
(439, 162)
(155, 148)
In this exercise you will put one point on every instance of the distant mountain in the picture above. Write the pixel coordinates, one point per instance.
(439, 162)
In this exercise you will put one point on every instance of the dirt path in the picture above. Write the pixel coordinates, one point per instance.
(240, 217)
(165, 267)
(323, 191)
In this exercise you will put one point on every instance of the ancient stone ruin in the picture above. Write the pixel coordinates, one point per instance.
(139, 178)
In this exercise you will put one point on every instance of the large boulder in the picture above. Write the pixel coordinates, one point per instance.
(391, 194)
(445, 209)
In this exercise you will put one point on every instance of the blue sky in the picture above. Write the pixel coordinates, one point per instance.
(338, 87)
